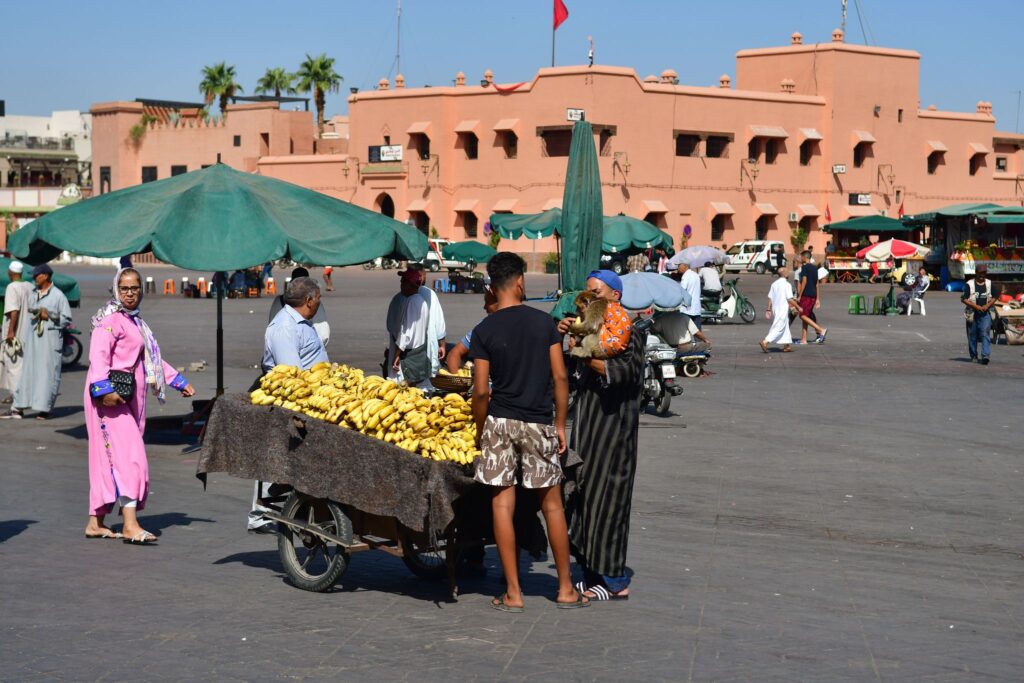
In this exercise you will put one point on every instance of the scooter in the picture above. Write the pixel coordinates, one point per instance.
(660, 383)
(71, 347)
(727, 306)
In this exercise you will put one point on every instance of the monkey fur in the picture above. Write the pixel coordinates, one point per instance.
(587, 327)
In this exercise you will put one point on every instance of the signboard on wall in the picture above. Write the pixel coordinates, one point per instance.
(575, 115)
(860, 199)
(390, 152)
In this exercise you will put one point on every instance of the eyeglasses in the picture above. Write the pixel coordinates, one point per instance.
(129, 290)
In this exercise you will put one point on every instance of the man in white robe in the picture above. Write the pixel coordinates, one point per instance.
(40, 377)
(17, 321)
(780, 300)
(416, 332)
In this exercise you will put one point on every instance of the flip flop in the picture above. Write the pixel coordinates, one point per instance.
(499, 604)
(141, 538)
(581, 601)
(108, 534)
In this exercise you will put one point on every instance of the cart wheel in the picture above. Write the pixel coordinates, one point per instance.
(312, 563)
(429, 564)
(692, 369)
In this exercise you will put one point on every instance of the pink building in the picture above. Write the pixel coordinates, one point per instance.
(805, 129)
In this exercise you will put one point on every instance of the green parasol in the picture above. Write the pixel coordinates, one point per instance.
(64, 283)
(631, 235)
(533, 226)
(221, 219)
(470, 250)
(872, 225)
(582, 217)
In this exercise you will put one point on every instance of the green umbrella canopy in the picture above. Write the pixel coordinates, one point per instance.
(582, 210)
(221, 219)
(951, 211)
(64, 283)
(624, 234)
(470, 250)
(873, 225)
(533, 226)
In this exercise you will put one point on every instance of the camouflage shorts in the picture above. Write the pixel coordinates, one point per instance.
(510, 446)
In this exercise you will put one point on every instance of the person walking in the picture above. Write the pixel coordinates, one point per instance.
(416, 332)
(780, 302)
(979, 298)
(519, 373)
(605, 430)
(15, 328)
(49, 313)
(807, 298)
(124, 362)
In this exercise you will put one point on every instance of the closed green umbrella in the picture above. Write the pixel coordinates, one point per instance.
(64, 283)
(470, 250)
(632, 235)
(533, 226)
(582, 216)
(221, 219)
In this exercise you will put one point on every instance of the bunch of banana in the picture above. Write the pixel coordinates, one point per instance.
(463, 372)
(437, 428)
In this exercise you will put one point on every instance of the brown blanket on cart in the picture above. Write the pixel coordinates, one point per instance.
(326, 461)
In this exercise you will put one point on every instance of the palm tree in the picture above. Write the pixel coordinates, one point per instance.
(219, 83)
(318, 74)
(276, 79)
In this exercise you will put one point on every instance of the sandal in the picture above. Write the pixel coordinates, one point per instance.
(141, 538)
(601, 594)
(499, 604)
(104, 534)
(581, 601)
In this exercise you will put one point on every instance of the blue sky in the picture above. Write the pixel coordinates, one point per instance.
(68, 55)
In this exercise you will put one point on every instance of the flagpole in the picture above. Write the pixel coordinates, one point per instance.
(553, 45)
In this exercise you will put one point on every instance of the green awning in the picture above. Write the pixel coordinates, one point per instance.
(951, 211)
(872, 225)
(470, 250)
(532, 226)
(622, 234)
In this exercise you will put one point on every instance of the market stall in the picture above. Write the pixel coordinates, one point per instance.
(849, 237)
(964, 236)
(358, 463)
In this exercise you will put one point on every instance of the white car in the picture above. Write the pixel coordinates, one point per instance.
(759, 256)
(435, 260)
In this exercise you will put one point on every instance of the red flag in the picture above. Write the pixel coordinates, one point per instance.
(899, 213)
(828, 215)
(561, 13)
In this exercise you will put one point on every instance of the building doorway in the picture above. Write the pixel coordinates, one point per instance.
(386, 205)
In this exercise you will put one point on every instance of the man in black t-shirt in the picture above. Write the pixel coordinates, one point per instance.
(519, 372)
(807, 296)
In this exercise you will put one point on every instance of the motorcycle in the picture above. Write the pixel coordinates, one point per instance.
(71, 347)
(659, 373)
(721, 307)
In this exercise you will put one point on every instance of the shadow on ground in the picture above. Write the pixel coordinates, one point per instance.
(13, 527)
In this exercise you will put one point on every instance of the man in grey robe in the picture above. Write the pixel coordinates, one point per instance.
(40, 377)
(15, 328)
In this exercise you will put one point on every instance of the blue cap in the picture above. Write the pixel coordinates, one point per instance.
(608, 277)
(42, 269)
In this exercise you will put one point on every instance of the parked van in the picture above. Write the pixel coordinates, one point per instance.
(435, 260)
(759, 256)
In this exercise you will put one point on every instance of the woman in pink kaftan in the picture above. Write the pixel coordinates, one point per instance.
(118, 469)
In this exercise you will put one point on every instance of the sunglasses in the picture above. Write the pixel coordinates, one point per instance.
(129, 290)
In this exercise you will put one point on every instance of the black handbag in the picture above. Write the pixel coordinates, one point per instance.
(124, 383)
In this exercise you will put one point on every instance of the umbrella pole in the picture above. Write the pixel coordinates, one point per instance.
(220, 344)
(558, 253)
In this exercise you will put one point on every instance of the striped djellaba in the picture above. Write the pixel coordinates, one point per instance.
(604, 434)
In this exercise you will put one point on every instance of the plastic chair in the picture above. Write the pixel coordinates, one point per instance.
(270, 287)
(168, 286)
(184, 286)
(878, 305)
(253, 293)
(858, 305)
(918, 299)
(150, 287)
(201, 285)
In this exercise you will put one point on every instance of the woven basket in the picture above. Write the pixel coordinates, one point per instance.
(453, 383)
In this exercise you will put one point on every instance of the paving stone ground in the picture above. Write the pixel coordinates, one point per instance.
(848, 512)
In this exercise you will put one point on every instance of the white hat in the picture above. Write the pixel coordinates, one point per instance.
(16, 267)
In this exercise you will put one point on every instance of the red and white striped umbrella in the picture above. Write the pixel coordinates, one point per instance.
(892, 249)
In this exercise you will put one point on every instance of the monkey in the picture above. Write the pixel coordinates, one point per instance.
(587, 328)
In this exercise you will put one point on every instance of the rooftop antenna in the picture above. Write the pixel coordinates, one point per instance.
(1016, 128)
(590, 52)
(398, 40)
(842, 25)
